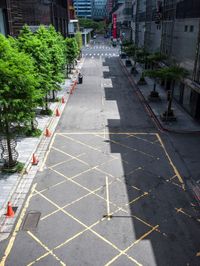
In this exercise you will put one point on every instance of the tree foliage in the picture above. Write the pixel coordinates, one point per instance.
(78, 37)
(17, 84)
(31, 66)
(72, 50)
(17, 90)
(89, 23)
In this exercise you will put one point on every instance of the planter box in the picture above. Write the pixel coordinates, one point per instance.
(168, 117)
(154, 96)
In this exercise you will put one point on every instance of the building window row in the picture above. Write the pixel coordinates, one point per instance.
(189, 28)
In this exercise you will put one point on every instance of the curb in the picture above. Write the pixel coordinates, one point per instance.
(150, 111)
(20, 191)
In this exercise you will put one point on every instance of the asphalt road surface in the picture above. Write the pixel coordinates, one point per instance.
(111, 191)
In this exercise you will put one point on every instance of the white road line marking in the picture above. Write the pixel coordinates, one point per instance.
(107, 196)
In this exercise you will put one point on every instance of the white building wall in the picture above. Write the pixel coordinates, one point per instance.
(185, 42)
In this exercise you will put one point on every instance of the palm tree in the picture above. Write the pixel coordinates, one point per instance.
(154, 59)
(155, 74)
(173, 74)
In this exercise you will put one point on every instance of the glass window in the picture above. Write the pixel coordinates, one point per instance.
(191, 28)
(186, 28)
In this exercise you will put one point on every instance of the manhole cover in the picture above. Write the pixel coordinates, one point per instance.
(31, 221)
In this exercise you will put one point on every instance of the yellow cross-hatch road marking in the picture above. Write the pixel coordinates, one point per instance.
(171, 163)
(94, 192)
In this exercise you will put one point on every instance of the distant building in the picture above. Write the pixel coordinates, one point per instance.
(83, 8)
(14, 14)
(99, 9)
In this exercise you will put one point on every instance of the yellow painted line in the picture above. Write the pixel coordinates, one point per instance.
(121, 208)
(180, 210)
(17, 227)
(171, 163)
(133, 149)
(104, 172)
(68, 240)
(136, 188)
(134, 243)
(65, 161)
(82, 143)
(107, 198)
(139, 219)
(73, 157)
(145, 140)
(45, 247)
(171, 178)
(47, 153)
(136, 199)
(45, 189)
(71, 203)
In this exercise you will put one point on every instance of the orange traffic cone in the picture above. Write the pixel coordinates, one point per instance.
(63, 100)
(57, 112)
(10, 213)
(47, 133)
(34, 160)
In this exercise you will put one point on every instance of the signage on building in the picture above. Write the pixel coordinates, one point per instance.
(114, 33)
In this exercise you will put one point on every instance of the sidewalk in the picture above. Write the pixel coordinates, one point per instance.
(14, 187)
(184, 123)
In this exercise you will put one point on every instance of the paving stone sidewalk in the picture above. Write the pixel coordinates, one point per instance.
(14, 187)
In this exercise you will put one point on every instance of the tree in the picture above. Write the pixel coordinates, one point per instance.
(18, 83)
(78, 37)
(72, 51)
(155, 74)
(154, 59)
(36, 46)
(173, 74)
(89, 23)
(57, 59)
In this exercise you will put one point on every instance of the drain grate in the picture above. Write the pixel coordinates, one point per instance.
(31, 221)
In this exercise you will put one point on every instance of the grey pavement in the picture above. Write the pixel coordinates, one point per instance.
(184, 123)
(111, 190)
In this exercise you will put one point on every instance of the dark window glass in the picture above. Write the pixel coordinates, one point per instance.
(191, 28)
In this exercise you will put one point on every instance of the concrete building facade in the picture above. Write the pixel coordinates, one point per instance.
(173, 28)
(99, 9)
(15, 14)
(83, 8)
(124, 17)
